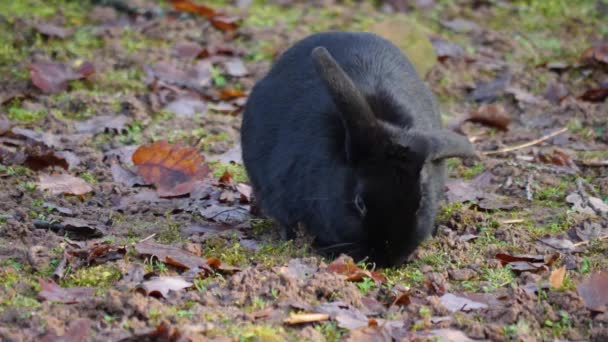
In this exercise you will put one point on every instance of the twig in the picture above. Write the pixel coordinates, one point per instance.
(306, 318)
(529, 190)
(586, 242)
(144, 239)
(512, 221)
(528, 144)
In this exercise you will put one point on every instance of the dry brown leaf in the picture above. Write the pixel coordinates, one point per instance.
(493, 115)
(172, 255)
(53, 77)
(50, 291)
(597, 53)
(173, 169)
(594, 291)
(63, 184)
(346, 266)
(556, 279)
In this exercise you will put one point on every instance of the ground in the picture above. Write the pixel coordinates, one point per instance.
(95, 246)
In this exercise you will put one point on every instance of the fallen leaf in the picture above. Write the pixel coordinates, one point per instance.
(172, 255)
(76, 332)
(595, 95)
(188, 50)
(245, 191)
(445, 49)
(445, 335)
(557, 157)
(163, 332)
(63, 184)
(558, 242)
(594, 291)
(190, 7)
(51, 30)
(596, 53)
(124, 176)
(50, 291)
(489, 91)
(235, 67)
(233, 155)
(230, 94)
(103, 123)
(53, 77)
(305, 318)
(186, 107)
(590, 231)
(160, 286)
(556, 92)
(225, 22)
(75, 228)
(593, 205)
(493, 115)
(556, 279)
(522, 96)
(297, 269)
(174, 169)
(347, 316)
(196, 77)
(217, 265)
(368, 333)
(224, 214)
(460, 25)
(456, 303)
(346, 266)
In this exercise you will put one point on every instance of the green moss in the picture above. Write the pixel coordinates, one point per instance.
(100, 276)
(236, 170)
(23, 115)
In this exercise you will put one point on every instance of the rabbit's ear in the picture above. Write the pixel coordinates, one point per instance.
(357, 116)
(448, 144)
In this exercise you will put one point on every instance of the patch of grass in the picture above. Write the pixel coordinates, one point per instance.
(366, 285)
(89, 177)
(171, 233)
(447, 210)
(100, 276)
(331, 331)
(125, 80)
(16, 113)
(238, 172)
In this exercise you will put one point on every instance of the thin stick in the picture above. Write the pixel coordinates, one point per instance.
(512, 221)
(144, 239)
(306, 318)
(528, 144)
(586, 242)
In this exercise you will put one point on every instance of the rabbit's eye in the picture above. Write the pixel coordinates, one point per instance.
(360, 205)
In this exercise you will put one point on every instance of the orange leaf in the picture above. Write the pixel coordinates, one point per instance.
(173, 169)
(556, 279)
(191, 7)
(224, 22)
(229, 94)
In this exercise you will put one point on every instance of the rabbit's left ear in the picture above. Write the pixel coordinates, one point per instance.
(447, 144)
(437, 145)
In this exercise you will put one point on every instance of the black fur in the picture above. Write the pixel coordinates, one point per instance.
(343, 137)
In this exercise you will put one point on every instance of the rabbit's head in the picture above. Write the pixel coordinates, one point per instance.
(391, 165)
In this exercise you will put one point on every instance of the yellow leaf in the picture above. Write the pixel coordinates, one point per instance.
(556, 279)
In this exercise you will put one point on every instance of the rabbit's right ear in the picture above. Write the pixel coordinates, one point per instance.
(357, 116)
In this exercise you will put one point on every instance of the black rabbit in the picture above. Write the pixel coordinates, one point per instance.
(343, 137)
